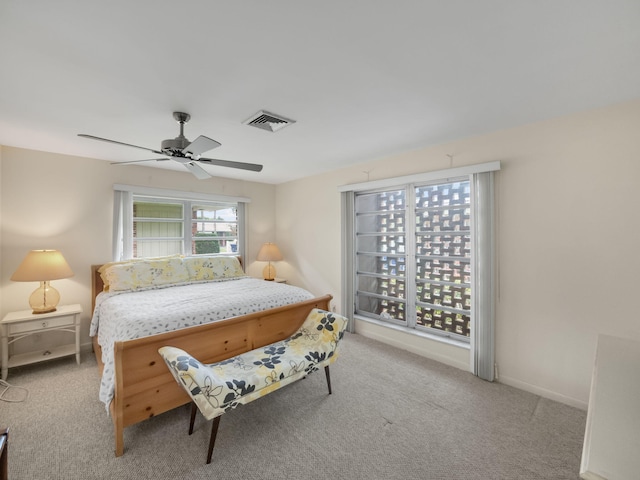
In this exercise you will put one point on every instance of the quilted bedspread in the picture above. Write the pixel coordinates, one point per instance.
(127, 315)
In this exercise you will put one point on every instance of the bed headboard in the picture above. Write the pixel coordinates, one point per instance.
(97, 285)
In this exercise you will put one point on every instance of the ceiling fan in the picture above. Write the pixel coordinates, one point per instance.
(181, 150)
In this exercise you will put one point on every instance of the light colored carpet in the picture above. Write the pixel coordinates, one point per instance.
(392, 415)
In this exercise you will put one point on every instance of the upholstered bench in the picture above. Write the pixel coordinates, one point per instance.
(219, 387)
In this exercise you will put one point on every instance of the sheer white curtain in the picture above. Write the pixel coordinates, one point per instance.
(122, 212)
(483, 286)
(348, 258)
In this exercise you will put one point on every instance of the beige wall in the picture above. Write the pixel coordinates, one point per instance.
(63, 202)
(568, 234)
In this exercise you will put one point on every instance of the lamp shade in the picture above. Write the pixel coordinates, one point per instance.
(42, 265)
(269, 252)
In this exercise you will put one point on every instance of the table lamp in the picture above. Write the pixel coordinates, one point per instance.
(269, 252)
(43, 266)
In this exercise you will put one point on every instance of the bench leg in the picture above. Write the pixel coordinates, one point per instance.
(326, 372)
(194, 410)
(212, 440)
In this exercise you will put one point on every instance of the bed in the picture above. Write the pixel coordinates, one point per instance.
(204, 305)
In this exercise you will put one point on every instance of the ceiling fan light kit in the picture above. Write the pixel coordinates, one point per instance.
(183, 151)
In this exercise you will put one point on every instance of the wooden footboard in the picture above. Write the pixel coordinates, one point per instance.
(144, 385)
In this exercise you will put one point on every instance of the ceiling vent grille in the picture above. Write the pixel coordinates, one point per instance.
(268, 121)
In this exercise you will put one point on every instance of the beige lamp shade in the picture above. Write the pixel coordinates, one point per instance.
(269, 252)
(43, 266)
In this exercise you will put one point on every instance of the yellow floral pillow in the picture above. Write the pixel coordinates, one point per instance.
(145, 274)
(107, 266)
(213, 268)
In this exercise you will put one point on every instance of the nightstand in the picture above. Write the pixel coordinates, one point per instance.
(18, 325)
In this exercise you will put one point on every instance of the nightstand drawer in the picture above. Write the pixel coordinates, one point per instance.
(40, 324)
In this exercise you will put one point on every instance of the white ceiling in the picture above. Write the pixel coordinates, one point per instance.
(363, 79)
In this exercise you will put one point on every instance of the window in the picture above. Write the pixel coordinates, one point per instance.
(157, 227)
(418, 255)
(153, 222)
(427, 239)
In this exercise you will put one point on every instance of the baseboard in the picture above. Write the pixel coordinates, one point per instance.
(543, 392)
(385, 338)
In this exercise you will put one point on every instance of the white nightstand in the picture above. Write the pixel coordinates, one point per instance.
(17, 325)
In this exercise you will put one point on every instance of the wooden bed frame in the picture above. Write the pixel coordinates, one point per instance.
(145, 387)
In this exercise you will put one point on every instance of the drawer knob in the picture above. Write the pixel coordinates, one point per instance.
(44, 324)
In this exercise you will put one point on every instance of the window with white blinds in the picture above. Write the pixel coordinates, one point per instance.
(154, 222)
(166, 227)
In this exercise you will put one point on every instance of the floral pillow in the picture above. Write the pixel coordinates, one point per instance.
(213, 268)
(145, 274)
(108, 267)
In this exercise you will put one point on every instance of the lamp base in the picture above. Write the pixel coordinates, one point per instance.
(47, 310)
(44, 299)
(269, 272)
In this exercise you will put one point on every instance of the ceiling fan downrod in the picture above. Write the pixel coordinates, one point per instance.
(175, 146)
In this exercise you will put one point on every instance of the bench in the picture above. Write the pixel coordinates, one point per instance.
(219, 387)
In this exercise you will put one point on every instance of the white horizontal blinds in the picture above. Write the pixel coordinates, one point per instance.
(158, 227)
(381, 255)
(443, 257)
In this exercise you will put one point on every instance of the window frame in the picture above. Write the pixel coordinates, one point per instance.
(483, 272)
(126, 195)
(409, 232)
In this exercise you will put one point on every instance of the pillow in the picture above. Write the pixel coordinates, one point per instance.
(144, 274)
(104, 267)
(213, 268)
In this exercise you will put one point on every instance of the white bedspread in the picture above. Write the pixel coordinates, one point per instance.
(128, 315)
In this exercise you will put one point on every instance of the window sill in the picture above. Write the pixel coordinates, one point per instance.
(417, 333)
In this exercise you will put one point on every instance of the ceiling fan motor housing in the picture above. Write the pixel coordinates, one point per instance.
(174, 146)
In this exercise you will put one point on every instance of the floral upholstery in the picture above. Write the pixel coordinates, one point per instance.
(212, 268)
(219, 387)
(150, 273)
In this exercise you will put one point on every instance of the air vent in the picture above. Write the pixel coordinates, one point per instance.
(268, 121)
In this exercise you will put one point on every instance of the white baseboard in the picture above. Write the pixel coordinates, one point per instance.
(419, 346)
(543, 392)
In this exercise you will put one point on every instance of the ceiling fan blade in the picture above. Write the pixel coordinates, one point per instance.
(199, 172)
(200, 145)
(92, 137)
(228, 163)
(140, 161)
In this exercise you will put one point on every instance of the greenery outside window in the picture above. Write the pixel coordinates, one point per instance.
(153, 222)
